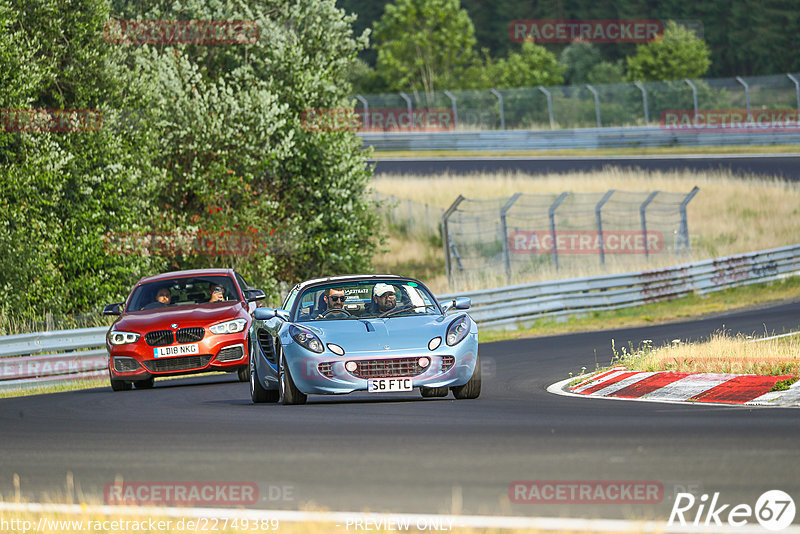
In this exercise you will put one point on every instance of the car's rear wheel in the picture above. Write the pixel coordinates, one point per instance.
(434, 392)
(145, 384)
(258, 393)
(287, 391)
(472, 389)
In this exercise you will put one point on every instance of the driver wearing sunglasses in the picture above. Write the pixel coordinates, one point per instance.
(334, 298)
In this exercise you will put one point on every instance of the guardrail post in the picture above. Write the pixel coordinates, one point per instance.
(694, 97)
(683, 233)
(455, 109)
(599, 218)
(644, 102)
(410, 110)
(551, 213)
(446, 238)
(746, 95)
(596, 103)
(366, 110)
(549, 106)
(496, 93)
(796, 90)
(642, 210)
(504, 230)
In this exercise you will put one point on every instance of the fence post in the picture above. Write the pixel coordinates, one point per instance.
(796, 90)
(504, 230)
(746, 95)
(551, 213)
(599, 218)
(643, 217)
(549, 106)
(683, 233)
(644, 102)
(496, 93)
(455, 110)
(694, 97)
(410, 110)
(366, 110)
(596, 104)
(446, 238)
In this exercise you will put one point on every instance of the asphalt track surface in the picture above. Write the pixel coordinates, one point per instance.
(402, 453)
(786, 166)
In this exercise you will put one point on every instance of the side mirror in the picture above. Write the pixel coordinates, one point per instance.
(280, 313)
(253, 295)
(264, 314)
(458, 303)
(113, 309)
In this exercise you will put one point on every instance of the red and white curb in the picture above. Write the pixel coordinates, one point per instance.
(666, 386)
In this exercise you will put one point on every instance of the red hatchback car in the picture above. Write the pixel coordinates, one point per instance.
(180, 323)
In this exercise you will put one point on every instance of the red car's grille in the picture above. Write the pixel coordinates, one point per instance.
(158, 338)
(230, 354)
(177, 364)
(190, 335)
(388, 368)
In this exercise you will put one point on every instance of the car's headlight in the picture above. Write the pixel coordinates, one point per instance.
(306, 339)
(119, 337)
(458, 330)
(228, 327)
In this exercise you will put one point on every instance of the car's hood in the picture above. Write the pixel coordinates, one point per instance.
(197, 315)
(396, 333)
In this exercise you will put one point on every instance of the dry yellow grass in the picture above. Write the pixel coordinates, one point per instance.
(729, 215)
(721, 353)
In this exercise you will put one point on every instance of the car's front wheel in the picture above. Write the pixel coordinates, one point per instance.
(434, 392)
(118, 385)
(243, 373)
(258, 393)
(472, 389)
(288, 392)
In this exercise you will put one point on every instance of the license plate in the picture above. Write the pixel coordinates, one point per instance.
(176, 350)
(380, 385)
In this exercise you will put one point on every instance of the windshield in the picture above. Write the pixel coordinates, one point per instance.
(166, 294)
(364, 300)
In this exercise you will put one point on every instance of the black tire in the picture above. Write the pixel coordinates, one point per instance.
(145, 384)
(434, 392)
(119, 385)
(258, 393)
(287, 391)
(243, 373)
(472, 389)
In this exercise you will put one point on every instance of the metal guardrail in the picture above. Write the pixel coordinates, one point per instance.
(582, 138)
(41, 358)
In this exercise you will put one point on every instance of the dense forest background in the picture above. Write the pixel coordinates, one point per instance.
(746, 37)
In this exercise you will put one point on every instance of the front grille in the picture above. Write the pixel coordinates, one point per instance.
(388, 368)
(326, 368)
(125, 365)
(229, 354)
(158, 338)
(447, 363)
(183, 363)
(190, 335)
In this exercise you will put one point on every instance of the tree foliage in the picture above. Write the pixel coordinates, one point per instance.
(678, 54)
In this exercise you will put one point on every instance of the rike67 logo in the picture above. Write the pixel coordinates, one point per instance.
(774, 510)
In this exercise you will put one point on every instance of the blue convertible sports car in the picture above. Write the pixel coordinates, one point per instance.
(375, 333)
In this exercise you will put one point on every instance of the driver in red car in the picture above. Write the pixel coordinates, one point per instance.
(217, 294)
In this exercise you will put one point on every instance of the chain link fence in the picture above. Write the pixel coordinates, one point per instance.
(410, 217)
(527, 235)
(578, 106)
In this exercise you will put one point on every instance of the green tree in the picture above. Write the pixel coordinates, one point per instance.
(533, 65)
(577, 60)
(424, 45)
(678, 54)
